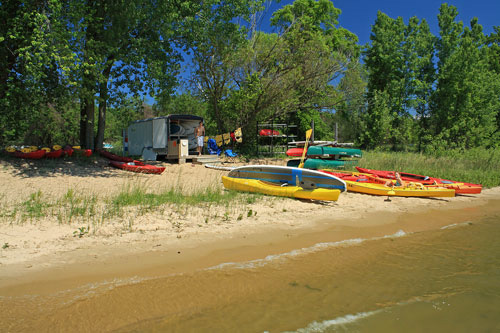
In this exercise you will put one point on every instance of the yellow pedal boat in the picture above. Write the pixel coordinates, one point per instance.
(259, 186)
(412, 190)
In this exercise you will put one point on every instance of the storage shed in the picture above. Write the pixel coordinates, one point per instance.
(171, 136)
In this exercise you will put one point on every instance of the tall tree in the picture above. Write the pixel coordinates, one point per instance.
(465, 102)
(33, 51)
(400, 64)
(293, 69)
(121, 45)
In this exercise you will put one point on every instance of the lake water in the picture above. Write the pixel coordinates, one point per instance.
(443, 280)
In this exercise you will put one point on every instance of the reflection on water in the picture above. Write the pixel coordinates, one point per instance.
(441, 280)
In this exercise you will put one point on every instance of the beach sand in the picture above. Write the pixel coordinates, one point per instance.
(46, 253)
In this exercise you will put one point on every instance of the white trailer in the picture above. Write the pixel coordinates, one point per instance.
(169, 136)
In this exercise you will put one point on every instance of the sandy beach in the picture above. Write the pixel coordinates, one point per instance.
(33, 245)
(61, 252)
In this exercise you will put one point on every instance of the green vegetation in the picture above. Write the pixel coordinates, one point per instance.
(480, 166)
(129, 203)
(65, 65)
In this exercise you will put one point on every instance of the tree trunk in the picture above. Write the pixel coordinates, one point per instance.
(87, 123)
(103, 102)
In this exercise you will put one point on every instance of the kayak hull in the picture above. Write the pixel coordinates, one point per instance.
(318, 163)
(114, 157)
(321, 151)
(34, 155)
(54, 153)
(259, 186)
(138, 167)
(399, 191)
(459, 187)
(290, 176)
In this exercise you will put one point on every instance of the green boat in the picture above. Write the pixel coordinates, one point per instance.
(321, 151)
(317, 163)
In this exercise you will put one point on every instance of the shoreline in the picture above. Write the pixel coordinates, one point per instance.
(61, 261)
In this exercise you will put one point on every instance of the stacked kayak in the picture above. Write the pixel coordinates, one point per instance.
(137, 166)
(332, 152)
(323, 157)
(459, 187)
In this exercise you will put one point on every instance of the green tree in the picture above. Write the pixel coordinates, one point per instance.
(292, 70)
(33, 52)
(400, 65)
(465, 102)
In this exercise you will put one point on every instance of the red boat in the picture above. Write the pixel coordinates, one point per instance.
(459, 187)
(114, 157)
(137, 166)
(34, 155)
(83, 152)
(268, 132)
(68, 151)
(295, 152)
(54, 153)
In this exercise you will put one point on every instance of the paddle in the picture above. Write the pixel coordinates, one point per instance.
(308, 136)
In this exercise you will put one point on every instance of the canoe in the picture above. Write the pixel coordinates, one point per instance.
(267, 188)
(280, 175)
(318, 163)
(137, 166)
(114, 157)
(417, 190)
(460, 187)
(296, 152)
(325, 152)
(34, 155)
(54, 153)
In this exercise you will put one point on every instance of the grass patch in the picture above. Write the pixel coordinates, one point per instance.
(139, 196)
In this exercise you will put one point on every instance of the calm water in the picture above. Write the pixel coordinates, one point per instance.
(445, 280)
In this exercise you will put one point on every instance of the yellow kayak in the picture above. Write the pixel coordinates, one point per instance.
(413, 190)
(259, 186)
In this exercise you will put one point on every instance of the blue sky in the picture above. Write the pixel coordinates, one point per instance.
(359, 15)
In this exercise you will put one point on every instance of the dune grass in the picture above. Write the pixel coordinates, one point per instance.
(480, 166)
(133, 200)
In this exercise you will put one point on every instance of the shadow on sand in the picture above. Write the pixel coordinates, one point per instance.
(80, 166)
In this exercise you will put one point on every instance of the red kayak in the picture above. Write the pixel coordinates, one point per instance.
(114, 157)
(34, 155)
(356, 177)
(459, 187)
(295, 152)
(82, 152)
(268, 132)
(68, 151)
(137, 166)
(54, 153)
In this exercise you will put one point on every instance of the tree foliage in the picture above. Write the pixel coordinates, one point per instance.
(414, 100)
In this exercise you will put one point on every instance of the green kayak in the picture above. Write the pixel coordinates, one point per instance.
(333, 151)
(317, 163)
